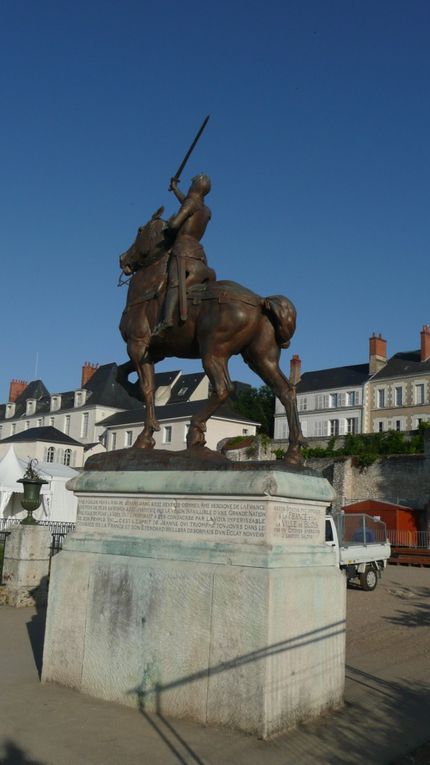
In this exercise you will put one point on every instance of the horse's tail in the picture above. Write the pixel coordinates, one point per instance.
(283, 316)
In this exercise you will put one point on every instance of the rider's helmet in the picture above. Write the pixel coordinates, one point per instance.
(202, 182)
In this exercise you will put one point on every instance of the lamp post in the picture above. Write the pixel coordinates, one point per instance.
(32, 483)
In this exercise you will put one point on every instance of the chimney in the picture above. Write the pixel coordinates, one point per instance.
(16, 388)
(377, 353)
(425, 343)
(295, 369)
(87, 372)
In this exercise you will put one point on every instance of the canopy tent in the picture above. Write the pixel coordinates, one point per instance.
(57, 502)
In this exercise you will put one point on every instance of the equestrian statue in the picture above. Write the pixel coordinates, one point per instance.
(177, 308)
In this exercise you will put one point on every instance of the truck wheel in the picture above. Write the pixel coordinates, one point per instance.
(369, 579)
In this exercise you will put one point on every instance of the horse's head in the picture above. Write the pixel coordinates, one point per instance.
(150, 238)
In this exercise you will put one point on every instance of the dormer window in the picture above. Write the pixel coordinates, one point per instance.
(30, 406)
(10, 410)
(80, 397)
(55, 403)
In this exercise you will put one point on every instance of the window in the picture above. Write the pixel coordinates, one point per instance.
(334, 427)
(182, 391)
(245, 431)
(186, 429)
(39, 422)
(10, 410)
(351, 398)
(167, 434)
(380, 427)
(352, 425)
(84, 425)
(67, 424)
(51, 422)
(380, 398)
(321, 401)
(30, 406)
(398, 425)
(398, 396)
(13, 429)
(321, 428)
(80, 397)
(302, 403)
(113, 442)
(128, 437)
(50, 454)
(67, 457)
(333, 400)
(55, 403)
(27, 424)
(419, 393)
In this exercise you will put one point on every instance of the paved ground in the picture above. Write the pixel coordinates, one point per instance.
(386, 713)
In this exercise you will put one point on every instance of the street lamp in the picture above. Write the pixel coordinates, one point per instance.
(32, 483)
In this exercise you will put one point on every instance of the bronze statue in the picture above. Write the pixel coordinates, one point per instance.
(224, 319)
(216, 319)
(187, 264)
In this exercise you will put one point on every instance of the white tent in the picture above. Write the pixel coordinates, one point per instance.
(58, 504)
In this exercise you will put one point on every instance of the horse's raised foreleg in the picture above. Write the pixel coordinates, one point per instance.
(262, 356)
(217, 371)
(145, 371)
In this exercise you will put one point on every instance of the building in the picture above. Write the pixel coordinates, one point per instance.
(330, 401)
(75, 413)
(57, 502)
(45, 444)
(399, 391)
(101, 414)
(383, 394)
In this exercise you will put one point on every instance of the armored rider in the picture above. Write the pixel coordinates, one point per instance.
(188, 264)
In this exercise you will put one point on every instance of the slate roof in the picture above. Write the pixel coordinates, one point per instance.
(171, 412)
(403, 364)
(338, 377)
(50, 434)
(185, 387)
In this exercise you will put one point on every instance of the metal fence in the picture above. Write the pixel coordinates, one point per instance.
(409, 538)
(58, 529)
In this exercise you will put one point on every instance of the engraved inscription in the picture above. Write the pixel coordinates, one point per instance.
(295, 522)
(184, 517)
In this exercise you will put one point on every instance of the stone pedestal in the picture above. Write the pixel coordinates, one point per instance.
(26, 565)
(208, 596)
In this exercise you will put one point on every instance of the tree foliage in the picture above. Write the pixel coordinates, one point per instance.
(368, 447)
(257, 404)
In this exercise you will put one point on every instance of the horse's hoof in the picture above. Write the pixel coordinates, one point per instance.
(294, 456)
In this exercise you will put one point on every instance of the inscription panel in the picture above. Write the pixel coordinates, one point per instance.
(250, 521)
(298, 523)
(191, 518)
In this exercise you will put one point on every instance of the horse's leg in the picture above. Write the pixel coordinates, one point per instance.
(145, 371)
(217, 371)
(262, 356)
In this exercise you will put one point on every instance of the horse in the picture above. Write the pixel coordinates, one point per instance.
(224, 319)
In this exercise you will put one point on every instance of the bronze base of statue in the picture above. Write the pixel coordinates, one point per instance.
(188, 459)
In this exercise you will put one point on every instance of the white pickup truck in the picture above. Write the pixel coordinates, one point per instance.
(361, 546)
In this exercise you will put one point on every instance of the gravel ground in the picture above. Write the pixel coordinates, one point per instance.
(394, 617)
(396, 613)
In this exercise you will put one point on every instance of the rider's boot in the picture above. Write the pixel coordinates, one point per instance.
(170, 306)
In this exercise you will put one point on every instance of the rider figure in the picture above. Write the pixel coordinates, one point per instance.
(187, 254)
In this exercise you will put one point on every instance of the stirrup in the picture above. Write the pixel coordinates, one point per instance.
(161, 327)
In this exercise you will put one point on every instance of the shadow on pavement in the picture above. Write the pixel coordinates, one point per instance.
(36, 634)
(420, 617)
(10, 754)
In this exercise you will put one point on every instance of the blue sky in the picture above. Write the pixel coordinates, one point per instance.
(318, 149)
